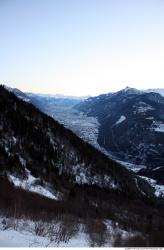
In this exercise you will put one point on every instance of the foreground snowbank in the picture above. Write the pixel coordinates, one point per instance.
(27, 233)
(13, 238)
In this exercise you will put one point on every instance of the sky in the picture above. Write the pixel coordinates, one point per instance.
(81, 47)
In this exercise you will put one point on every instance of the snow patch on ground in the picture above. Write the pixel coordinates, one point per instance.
(130, 166)
(150, 118)
(30, 185)
(158, 168)
(158, 126)
(142, 107)
(83, 176)
(159, 189)
(121, 119)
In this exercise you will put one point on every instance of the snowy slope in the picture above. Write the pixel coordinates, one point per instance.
(30, 184)
(25, 233)
(13, 238)
(159, 189)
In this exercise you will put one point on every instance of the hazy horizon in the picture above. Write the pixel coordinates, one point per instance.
(78, 96)
(81, 48)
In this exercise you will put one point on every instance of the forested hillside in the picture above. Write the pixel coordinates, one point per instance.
(38, 152)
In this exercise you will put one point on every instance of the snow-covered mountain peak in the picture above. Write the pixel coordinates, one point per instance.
(129, 91)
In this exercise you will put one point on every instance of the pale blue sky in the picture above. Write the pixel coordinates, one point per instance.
(81, 47)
